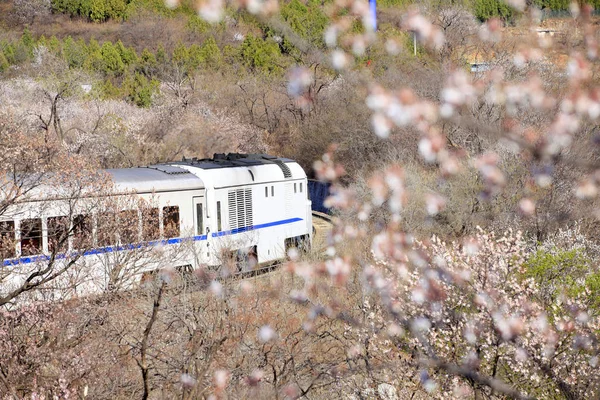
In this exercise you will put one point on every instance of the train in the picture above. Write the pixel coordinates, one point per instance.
(243, 209)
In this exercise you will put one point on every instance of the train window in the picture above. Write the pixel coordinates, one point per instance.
(129, 224)
(272, 190)
(58, 231)
(31, 236)
(300, 187)
(7, 239)
(107, 227)
(295, 188)
(219, 226)
(150, 224)
(266, 191)
(82, 231)
(171, 221)
(199, 219)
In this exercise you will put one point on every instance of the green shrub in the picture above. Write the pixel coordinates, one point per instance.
(308, 21)
(93, 46)
(210, 54)
(75, 53)
(147, 63)
(180, 55)
(55, 45)
(4, 65)
(564, 271)
(42, 41)
(27, 43)
(93, 10)
(592, 283)
(117, 9)
(197, 25)
(186, 7)
(107, 90)
(128, 54)
(111, 59)
(94, 61)
(194, 59)
(260, 55)
(394, 3)
(553, 4)
(21, 53)
(71, 7)
(486, 9)
(9, 52)
(93, 56)
(231, 55)
(161, 55)
(139, 90)
(191, 58)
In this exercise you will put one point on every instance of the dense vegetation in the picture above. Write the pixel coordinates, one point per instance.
(127, 74)
(464, 256)
(119, 10)
(134, 75)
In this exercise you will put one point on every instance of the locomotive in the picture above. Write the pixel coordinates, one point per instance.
(196, 213)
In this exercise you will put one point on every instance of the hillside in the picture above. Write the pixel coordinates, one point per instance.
(463, 258)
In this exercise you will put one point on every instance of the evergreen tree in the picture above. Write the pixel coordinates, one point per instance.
(197, 25)
(107, 90)
(55, 45)
(95, 10)
(9, 52)
(139, 89)
(74, 53)
(94, 60)
(111, 59)
(4, 65)
(210, 53)
(25, 47)
(147, 63)
(553, 4)
(128, 54)
(117, 9)
(308, 20)
(195, 58)
(180, 55)
(161, 55)
(486, 9)
(258, 54)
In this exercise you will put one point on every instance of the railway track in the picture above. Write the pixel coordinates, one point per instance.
(321, 223)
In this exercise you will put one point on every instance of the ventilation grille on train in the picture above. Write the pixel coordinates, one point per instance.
(240, 208)
(286, 170)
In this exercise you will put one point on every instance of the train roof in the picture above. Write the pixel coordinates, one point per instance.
(231, 160)
(187, 174)
(233, 169)
(154, 178)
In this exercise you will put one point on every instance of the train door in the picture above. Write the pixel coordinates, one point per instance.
(201, 231)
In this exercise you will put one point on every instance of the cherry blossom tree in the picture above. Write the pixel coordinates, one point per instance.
(508, 309)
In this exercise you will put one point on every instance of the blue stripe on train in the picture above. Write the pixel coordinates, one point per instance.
(255, 227)
(162, 242)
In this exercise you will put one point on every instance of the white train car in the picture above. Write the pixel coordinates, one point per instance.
(196, 214)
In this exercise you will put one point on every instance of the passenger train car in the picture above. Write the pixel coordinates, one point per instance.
(196, 213)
